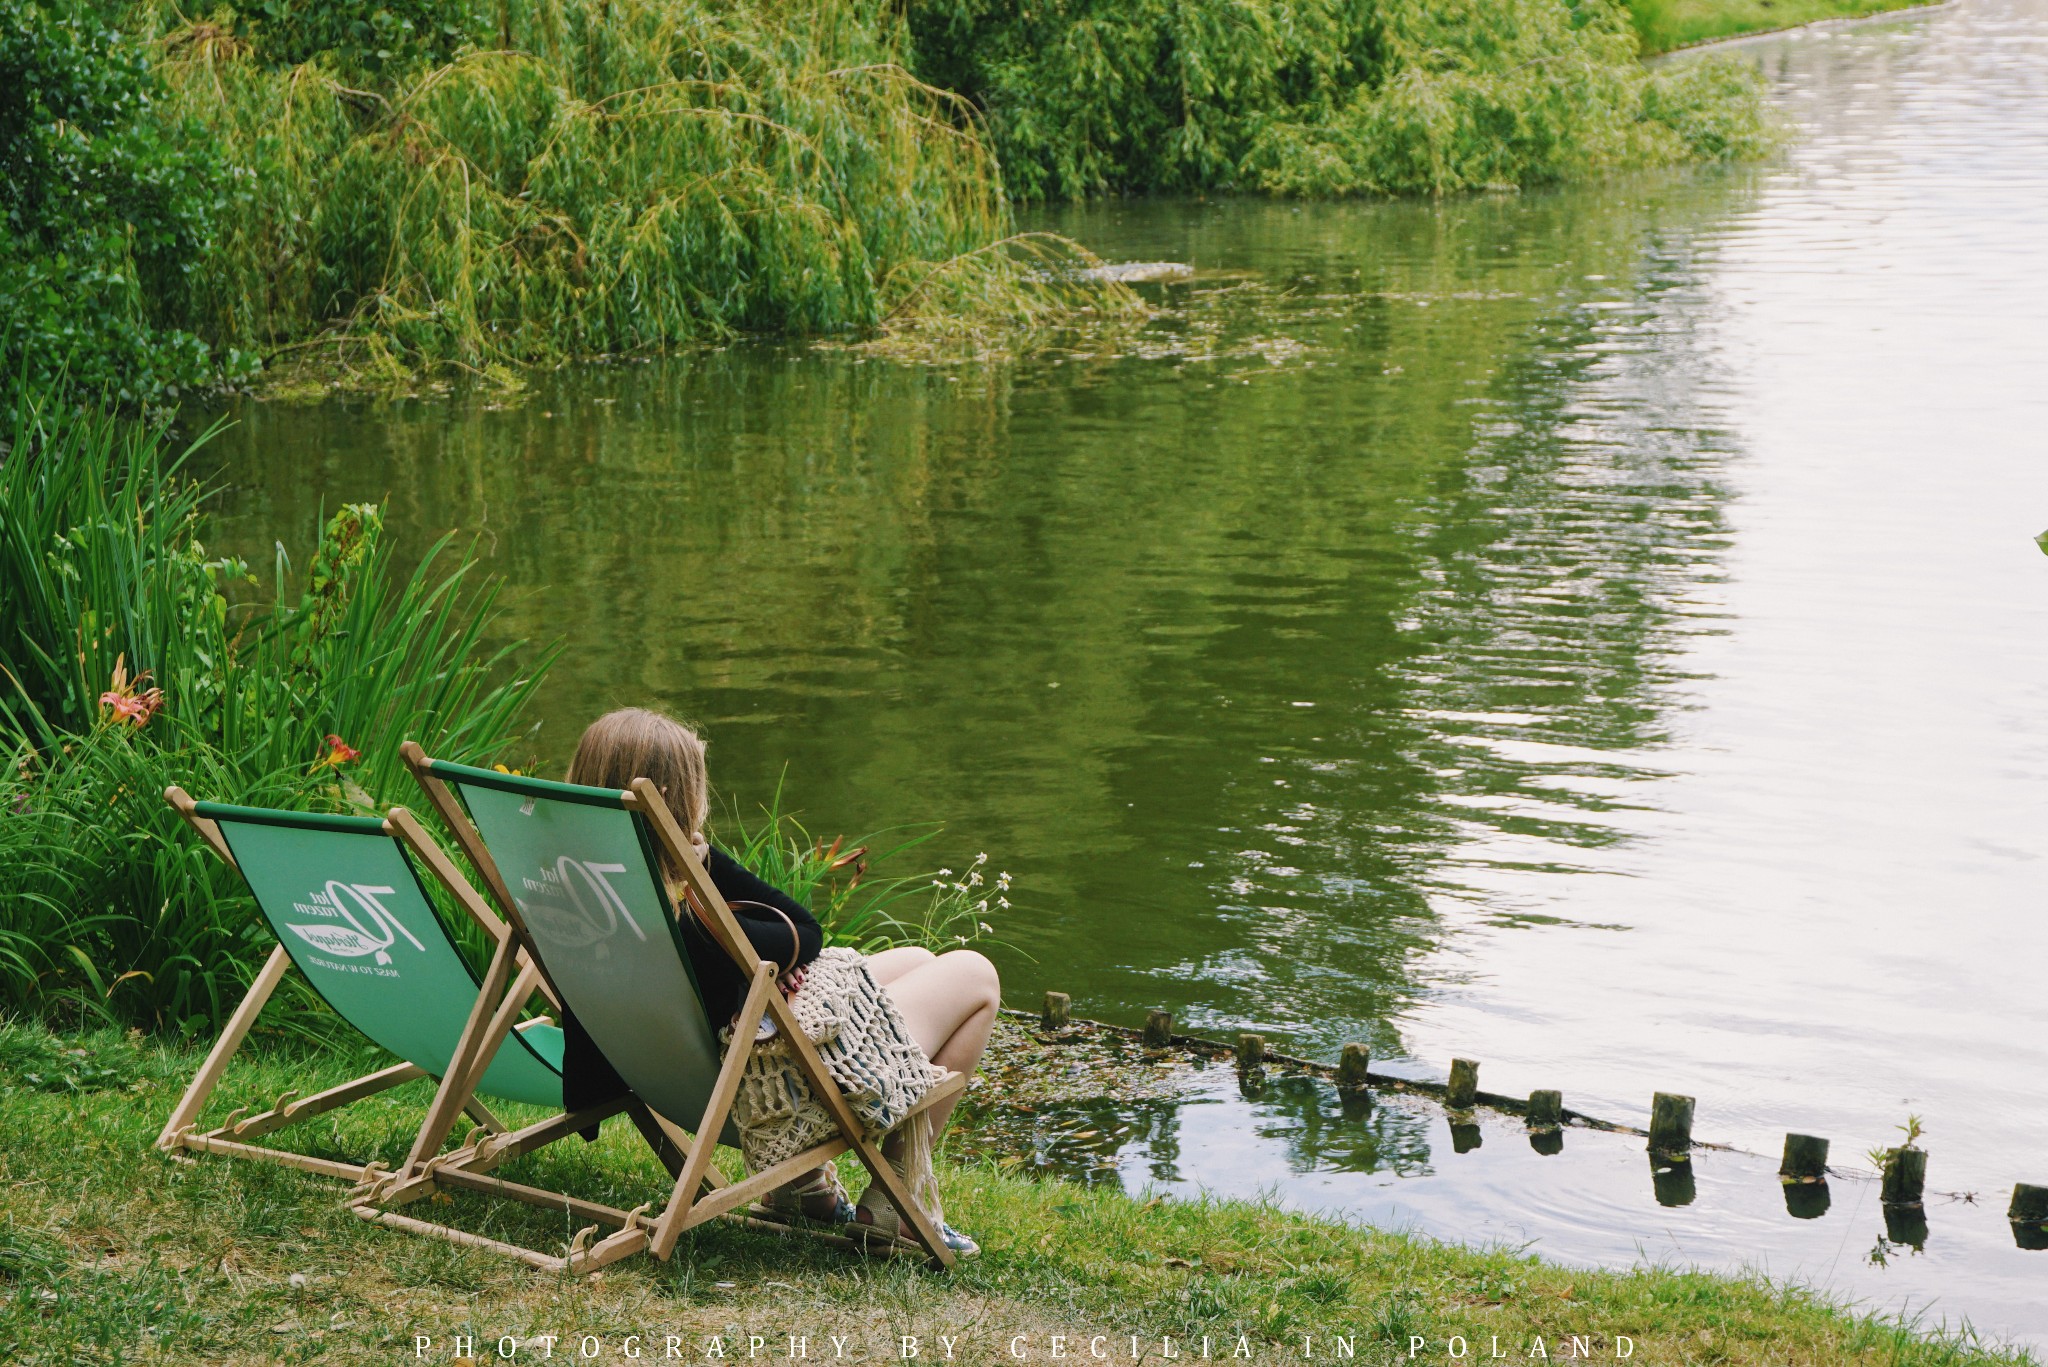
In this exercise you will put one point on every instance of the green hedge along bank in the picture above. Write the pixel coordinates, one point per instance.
(395, 189)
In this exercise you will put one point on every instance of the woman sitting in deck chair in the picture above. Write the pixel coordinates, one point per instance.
(948, 1001)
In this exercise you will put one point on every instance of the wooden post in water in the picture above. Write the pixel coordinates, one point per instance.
(2029, 1215)
(1354, 1068)
(1670, 1124)
(2029, 1203)
(1463, 1092)
(1546, 1110)
(1158, 1028)
(1806, 1158)
(1251, 1053)
(1905, 1176)
(1059, 1011)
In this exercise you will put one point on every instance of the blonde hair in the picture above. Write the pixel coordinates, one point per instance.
(634, 742)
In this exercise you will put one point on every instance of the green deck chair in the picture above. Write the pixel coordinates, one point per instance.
(343, 896)
(578, 874)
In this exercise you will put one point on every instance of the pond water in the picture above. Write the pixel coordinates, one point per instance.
(1595, 633)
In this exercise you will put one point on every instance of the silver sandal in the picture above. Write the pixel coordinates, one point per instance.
(879, 1219)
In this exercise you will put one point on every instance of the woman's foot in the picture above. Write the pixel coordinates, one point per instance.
(818, 1197)
(877, 1215)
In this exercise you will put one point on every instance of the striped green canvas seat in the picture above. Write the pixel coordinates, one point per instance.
(346, 903)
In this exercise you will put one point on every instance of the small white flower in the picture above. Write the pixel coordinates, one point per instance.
(984, 927)
(981, 858)
(1002, 882)
(974, 879)
(945, 873)
(1003, 902)
(982, 906)
(938, 882)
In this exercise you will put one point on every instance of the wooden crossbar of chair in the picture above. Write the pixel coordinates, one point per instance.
(699, 1193)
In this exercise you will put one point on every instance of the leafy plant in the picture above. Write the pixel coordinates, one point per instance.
(1912, 1129)
(109, 205)
(126, 668)
(857, 905)
(1324, 97)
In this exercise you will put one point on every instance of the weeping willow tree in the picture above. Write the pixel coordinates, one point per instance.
(1325, 97)
(566, 177)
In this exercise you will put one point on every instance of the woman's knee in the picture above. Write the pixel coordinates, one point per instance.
(972, 969)
(889, 964)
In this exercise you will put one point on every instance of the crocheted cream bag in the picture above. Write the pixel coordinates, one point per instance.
(881, 1071)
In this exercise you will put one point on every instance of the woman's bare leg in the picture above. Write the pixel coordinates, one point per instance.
(889, 967)
(949, 1001)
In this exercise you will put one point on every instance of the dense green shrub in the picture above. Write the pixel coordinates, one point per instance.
(379, 186)
(1323, 97)
(603, 176)
(129, 665)
(362, 37)
(108, 208)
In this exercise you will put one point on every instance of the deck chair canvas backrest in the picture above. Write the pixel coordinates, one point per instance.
(345, 901)
(586, 884)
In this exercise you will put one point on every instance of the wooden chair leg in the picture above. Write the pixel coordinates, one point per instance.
(880, 1169)
(727, 1086)
(208, 1077)
(470, 1057)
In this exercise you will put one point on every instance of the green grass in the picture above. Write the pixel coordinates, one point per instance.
(111, 1252)
(1665, 25)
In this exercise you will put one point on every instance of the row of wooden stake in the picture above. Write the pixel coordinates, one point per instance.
(1804, 1164)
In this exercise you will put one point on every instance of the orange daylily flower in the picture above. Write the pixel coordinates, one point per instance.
(126, 700)
(339, 752)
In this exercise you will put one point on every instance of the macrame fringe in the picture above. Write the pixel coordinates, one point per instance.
(880, 1069)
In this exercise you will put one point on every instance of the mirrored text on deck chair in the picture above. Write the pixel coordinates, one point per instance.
(343, 896)
(579, 874)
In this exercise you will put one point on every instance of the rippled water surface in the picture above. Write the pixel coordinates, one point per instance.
(1596, 633)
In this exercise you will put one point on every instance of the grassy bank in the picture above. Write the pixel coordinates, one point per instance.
(1666, 25)
(110, 1252)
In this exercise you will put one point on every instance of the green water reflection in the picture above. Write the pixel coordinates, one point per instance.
(1373, 544)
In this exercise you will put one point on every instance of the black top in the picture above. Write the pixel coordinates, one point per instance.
(588, 1078)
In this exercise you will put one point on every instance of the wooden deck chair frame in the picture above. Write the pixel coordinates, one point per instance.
(499, 1000)
(699, 1192)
